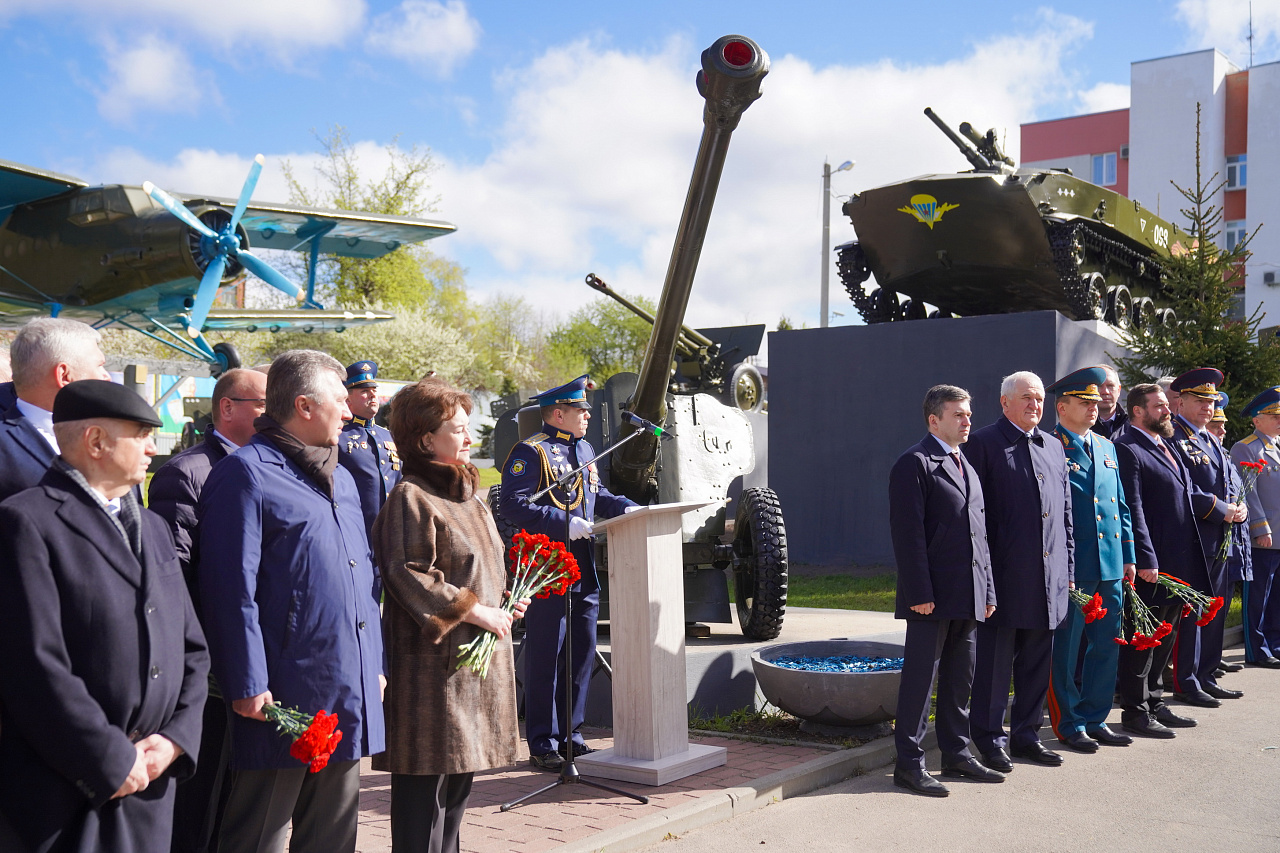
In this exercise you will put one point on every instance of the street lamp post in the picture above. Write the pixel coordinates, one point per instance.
(826, 237)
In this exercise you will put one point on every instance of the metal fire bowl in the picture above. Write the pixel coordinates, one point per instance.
(830, 698)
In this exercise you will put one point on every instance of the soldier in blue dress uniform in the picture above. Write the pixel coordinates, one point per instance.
(532, 466)
(1261, 594)
(1104, 557)
(364, 448)
(1198, 650)
(1239, 562)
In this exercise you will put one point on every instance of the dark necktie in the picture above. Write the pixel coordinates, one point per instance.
(955, 457)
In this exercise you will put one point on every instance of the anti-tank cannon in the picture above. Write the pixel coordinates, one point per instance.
(998, 240)
(711, 361)
(713, 441)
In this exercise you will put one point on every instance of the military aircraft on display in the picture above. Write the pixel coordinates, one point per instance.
(146, 260)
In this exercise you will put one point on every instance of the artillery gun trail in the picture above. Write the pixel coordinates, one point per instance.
(1000, 240)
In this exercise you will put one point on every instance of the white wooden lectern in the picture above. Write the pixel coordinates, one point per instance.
(646, 629)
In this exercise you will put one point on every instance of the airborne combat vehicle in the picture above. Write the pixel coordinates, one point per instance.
(1000, 240)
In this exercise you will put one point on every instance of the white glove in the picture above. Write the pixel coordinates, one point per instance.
(579, 528)
(631, 509)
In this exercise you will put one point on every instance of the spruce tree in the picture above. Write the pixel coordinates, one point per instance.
(1201, 281)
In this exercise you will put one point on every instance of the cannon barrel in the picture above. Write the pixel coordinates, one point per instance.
(982, 164)
(986, 144)
(729, 82)
(690, 340)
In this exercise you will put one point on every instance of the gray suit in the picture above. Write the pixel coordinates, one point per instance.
(1261, 597)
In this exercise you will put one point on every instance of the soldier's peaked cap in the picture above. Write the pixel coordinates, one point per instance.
(1219, 408)
(570, 394)
(1202, 382)
(98, 398)
(361, 374)
(1266, 403)
(1083, 383)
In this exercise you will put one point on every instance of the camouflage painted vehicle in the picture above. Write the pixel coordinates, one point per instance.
(1000, 240)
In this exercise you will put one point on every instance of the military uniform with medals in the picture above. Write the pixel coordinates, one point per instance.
(367, 450)
(532, 466)
(1261, 592)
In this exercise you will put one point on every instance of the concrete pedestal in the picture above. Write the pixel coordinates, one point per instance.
(646, 617)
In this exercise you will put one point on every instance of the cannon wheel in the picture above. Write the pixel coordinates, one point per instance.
(760, 572)
(746, 388)
(505, 528)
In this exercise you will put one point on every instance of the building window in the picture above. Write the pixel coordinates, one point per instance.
(1237, 172)
(1237, 306)
(1235, 233)
(1104, 169)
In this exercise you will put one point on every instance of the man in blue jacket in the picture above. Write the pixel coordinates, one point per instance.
(1103, 538)
(937, 522)
(1024, 480)
(1166, 540)
(550, 726)
(288, 603)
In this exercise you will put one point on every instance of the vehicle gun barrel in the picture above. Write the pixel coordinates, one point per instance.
(982, 164)
(986, 145)
(732, 69)
(690, 340)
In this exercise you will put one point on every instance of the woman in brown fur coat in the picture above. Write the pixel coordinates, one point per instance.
(441, 562)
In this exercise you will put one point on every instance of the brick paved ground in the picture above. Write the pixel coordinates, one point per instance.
(570, 812)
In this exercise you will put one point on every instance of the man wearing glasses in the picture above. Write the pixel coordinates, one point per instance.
(238, 398)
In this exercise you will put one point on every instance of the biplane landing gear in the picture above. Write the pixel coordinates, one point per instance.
(228, 359)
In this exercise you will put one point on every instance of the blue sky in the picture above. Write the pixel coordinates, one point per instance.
(565, 132)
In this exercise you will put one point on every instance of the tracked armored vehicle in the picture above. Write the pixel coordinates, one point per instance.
(1000, 240)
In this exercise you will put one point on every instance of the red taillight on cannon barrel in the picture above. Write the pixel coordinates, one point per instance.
(738, 54)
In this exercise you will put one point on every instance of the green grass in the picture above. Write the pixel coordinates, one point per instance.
(489, 477)
(843, 592)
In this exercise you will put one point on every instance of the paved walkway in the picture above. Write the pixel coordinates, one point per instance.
(572, 812)
(1214, 787)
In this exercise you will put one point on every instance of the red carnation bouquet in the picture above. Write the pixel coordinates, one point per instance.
(1249, 472)
(314, 737)
(540, 568)
(1091, 607)
(1147, 634)
(1192, 599)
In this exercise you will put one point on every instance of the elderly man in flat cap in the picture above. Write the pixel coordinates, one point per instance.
(105, 667)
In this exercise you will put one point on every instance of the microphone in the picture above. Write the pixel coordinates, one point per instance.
(648, 426)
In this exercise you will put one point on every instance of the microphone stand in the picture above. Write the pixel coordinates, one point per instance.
(569, 774)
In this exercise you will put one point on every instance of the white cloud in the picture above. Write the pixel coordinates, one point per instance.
(585, 179)
(1103, 97)
(439, 35)
(1224, 24)
(281, 27)
(149, 75)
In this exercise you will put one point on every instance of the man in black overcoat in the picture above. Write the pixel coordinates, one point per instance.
(936, 518)
(1111, 414)
(105, 667)
(239, 396)
(1166, 539)
(1023, 470)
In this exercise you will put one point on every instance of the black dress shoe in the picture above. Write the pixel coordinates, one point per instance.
(1219, 673)
(579, 749)
(1269, 663)
(1147, 727)
(1103, 734)
(970, 768)
(916, 779)
(1226, 666)
(1222, 692)
(1165, 717)
(998, 760)
(547, 761)
(1198, 698)
(1037, 752)
(1080, 742)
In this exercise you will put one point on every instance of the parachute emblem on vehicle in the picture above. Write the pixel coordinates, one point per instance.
(926, 209)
